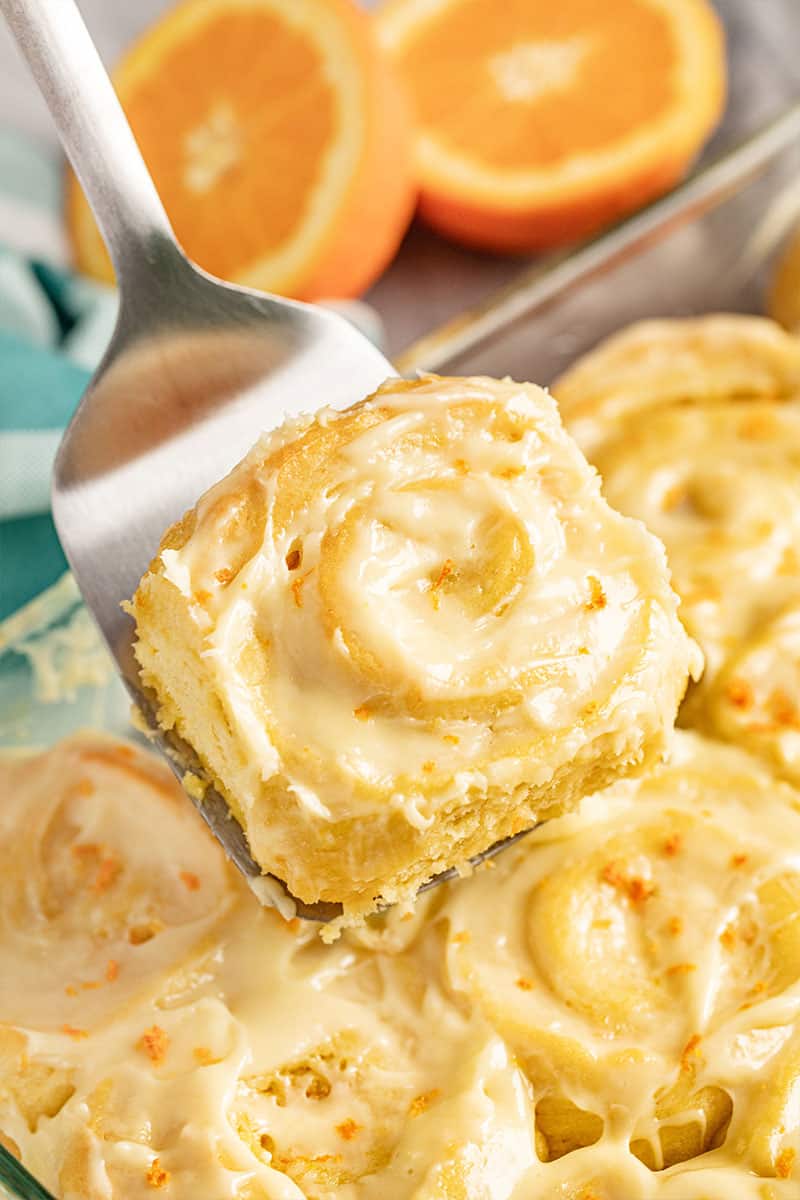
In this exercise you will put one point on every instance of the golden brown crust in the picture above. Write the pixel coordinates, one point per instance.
(354, 631)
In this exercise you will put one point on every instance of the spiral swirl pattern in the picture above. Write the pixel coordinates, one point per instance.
(645, 964)
(420, 627)
(694, 427)
(612, 1011)
(91, 907)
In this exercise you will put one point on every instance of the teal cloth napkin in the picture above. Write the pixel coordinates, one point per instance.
(54, 328)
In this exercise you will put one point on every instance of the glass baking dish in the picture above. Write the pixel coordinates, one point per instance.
(707, 246)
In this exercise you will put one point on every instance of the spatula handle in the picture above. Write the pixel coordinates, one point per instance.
(94, 131)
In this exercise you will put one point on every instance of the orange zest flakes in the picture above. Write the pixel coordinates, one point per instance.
(154, 1042)
(640, 890)
(461, 465)
(783, 714)
(72, 1032)
(84, 850)
(783, 710)
(297, 588)
(728, 937)
(203, 1055)
(190, 880)
(112, 970)
(71, 990)
(740, 694)
(462, 937)
(224, 575)
(633, 886)
(84, 787)
(156, 1176)
(448, 567)
(785, 1162)
(738, 860)
(451, 739)
(422, 1102)
(674, 926)
(673, 845)
(684, 968)
(690, 1050)
(597, 597)
(348, 1129)
(139, 934)
(525, 985)
(362, 713)
(612, 875)
(429, 766)
(107, 873)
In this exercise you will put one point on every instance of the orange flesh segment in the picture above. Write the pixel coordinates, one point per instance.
(244, 119)
(472, 74)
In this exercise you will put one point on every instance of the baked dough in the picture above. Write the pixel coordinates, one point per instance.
(612, 1011)
(755, 700)
(397, 634)
(694, 426)
(656, 364)
(644, 967)
(162, 1033)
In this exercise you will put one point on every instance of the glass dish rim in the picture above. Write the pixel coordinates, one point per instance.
(551, 279)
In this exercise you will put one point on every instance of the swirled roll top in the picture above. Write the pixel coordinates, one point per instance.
(613, 1012)
(694, 426)
(645, 967)
(398, 633)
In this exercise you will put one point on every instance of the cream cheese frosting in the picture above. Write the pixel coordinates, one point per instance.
(405, 608)
(612, 1012)
(694, 426)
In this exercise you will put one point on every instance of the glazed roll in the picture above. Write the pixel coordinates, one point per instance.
(695, 427)
(612, 1010)
(755, 699)
(162, 1032)
(95, 914)
(92, 908)
(644, 966)
(397, 634)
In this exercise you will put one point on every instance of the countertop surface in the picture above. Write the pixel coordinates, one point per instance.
(432, 280)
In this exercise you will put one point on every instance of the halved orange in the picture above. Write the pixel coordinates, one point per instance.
(539, 121)
(278, 138)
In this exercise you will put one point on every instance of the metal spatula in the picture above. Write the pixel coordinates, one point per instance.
(196, 370)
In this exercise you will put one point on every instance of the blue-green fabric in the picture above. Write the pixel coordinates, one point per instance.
(54, 327)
